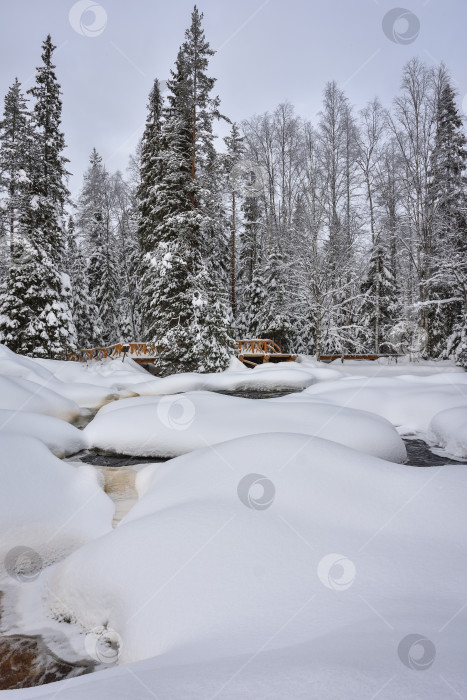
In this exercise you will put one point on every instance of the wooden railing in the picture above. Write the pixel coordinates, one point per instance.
(114, 351)
(258, 347)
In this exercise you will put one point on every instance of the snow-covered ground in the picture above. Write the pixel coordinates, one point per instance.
(287, 553)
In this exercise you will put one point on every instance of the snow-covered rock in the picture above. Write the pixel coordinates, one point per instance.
(448, 429)
(23, 395)
(173, 425)
(46, 505)
(44, 373)
(60, 437)
(268, 377)
(407, 402)
(265, 544)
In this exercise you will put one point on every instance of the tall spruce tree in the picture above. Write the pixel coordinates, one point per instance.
(16, 149)
(43, 323)
(447, 283)
(148, 204)
(84, 310)
(95, 227)
(188, 314)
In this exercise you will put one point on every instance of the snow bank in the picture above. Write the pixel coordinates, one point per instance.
(60, 437)
(173, 425)
(266, 543)
(45, 504)
(384, 367)
(448, 429)
(44, 373)
(22, 395)
(108, 372)
(274, 377)
(407, 402)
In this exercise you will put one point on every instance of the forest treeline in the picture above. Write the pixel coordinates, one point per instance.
(347, 234)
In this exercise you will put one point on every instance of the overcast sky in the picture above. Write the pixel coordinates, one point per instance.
(268, 51)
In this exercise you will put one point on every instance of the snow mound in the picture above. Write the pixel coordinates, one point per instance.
(60, 437)
(23, 395)
(173, 425)
(46, 505)
(107, 372)
(273, 377)
(384, 366)
(44, 373)
(264, 540)
(407, 402)
(448, 429)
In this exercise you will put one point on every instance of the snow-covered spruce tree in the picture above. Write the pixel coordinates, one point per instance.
(148, 203)
(381, 309)
(84, 309)
(231, 159)
(95, 228)
(187, 315)
(252, 293)
(16, 149)
(273, 318)
(42, 324)
(447, 283)
(129, 257)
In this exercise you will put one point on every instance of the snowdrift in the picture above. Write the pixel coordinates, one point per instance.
(279, 377)
(448, 429)
(60, 437)
(263, 544)
(172, 425)
(46, 505)
(407, 402)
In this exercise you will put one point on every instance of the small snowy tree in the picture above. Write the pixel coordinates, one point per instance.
(381, 308)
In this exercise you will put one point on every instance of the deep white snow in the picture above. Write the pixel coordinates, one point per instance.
(285, 554)
(172, 425)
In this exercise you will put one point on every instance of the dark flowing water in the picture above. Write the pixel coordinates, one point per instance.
(420, 455)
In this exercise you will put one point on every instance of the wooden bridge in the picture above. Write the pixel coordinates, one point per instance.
(250, 352)
(257, 351)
